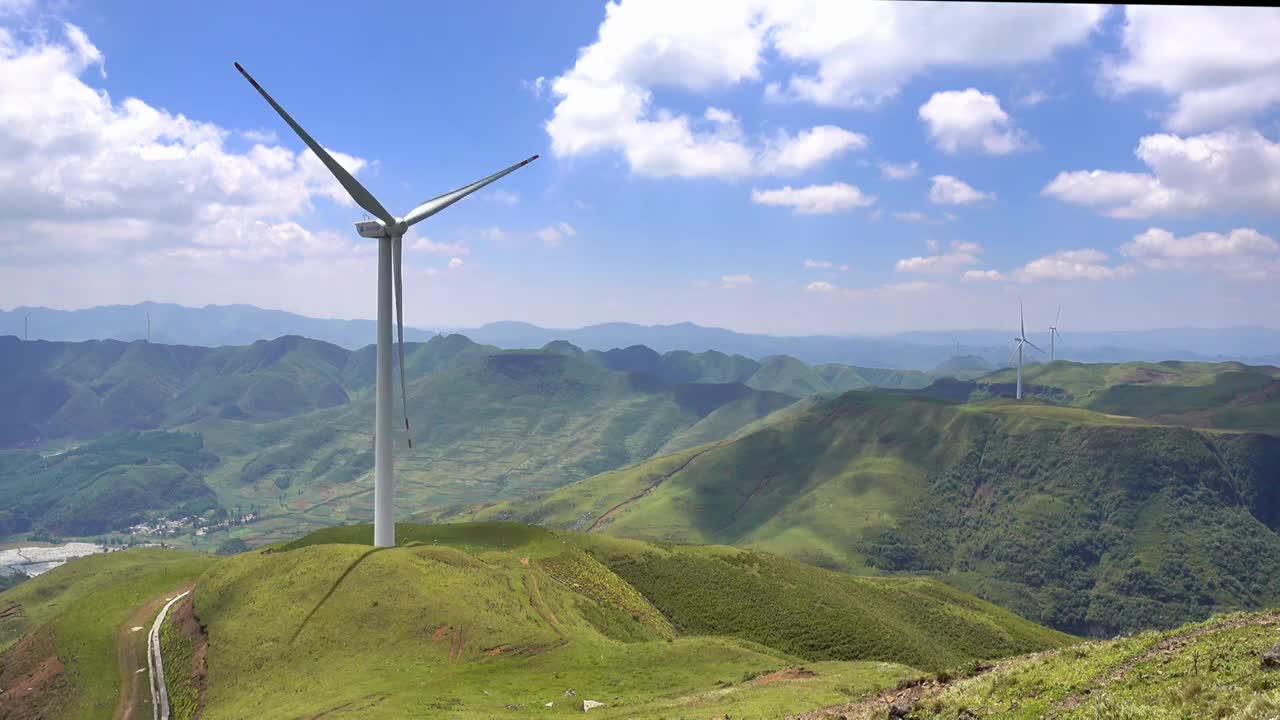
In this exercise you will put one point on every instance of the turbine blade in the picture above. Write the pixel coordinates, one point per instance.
(396, 247)
(1021, 322)
(363, 197)
(436, 204)
(1033, 345)
(1057, 317)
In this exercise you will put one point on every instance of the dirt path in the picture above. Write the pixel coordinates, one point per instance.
(877, 705)
(652, 486)
(540, 606)
(131, 647)
(1167, 646)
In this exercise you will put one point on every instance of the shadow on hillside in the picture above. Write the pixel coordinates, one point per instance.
(329, 594)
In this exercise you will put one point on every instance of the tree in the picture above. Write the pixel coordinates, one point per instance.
(233, 547)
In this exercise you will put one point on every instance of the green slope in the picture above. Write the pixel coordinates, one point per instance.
(466, 620)
(58, 630)
(1079, 520)
(1223, 395)
(1207, 670)
(489, 427)
(108, 484)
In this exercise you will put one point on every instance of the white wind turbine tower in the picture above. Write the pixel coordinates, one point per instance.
(1022, 340)
(1053, 335)
(389, 232)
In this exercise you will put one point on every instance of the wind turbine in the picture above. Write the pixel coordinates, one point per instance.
(25, 318)
(1022, 340)
(389, 231)
(1053, 335)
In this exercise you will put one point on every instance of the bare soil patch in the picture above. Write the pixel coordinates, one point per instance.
(800, 673)
(33, 679)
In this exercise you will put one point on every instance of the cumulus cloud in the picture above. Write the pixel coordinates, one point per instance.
(959, 255)
(788, 154)
(455, 263)
(427, 245)
(900, 171)
(820, 286)
(948, 190)
(983, 275)
(729, 282)
(1203, 173)
(970, 120)
(1243, 252)
(810, 263)
(1084, 264)
(129, 180)
(863, 52)
(836, 53)
(815, 199)
(1219, 65)
(553, 235)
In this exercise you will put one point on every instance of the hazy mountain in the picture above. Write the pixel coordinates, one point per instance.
(215, 325)
(211, 325)
(912, 350)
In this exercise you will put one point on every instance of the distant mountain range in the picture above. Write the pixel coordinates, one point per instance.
(215, 325)
(210, 326)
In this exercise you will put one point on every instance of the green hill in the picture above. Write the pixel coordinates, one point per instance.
(1196, 394)
(487, 427)
(478, 620)
(105, 485)
(59, 632)
(1210, 669)
(1083, 521)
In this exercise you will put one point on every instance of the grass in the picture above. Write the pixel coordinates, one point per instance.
(466, 620)
(83, 604)
(177, 649)
(1088, 522)
(1206, 670)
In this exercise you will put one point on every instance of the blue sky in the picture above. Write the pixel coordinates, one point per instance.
(732, 166)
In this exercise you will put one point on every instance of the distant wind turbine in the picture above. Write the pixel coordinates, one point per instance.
(25, 318)
(1022, 340)
(1053, 335)
(389, 231)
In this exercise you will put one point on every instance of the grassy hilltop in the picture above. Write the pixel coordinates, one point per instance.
(1085, 521)
(1226, 395)
(499, 619)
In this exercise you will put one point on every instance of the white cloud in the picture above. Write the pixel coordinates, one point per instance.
(535, 86)
(492, 233)
(983, 275)
(553, 234)
(455, 263)
(901, 171)
(1084, 264)
(810, 263)
(16, 7)
(732, 281)
(862, 51)
(263, 137)
(504, 197)
(960, 254)
(948, 190)
(131, 180)
(912, 216)
(1204, 173)
(970, 120)
(1031, 98)
(1219, 65)
(427, 245)
(1243, 252)
(815, 199)
(787, 155)
(820, 286)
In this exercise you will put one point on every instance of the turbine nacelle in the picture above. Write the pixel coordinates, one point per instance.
(372, 229)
